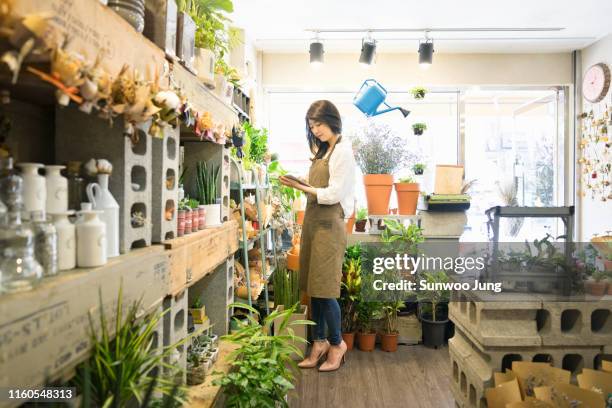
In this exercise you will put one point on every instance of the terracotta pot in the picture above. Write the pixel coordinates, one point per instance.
(407, 197)
(366, 341)
(389, 342)
(350, 223)
(195, 220)
(180, 223)
(378, 192)
(300, 217)
(596, 288)
(293, 261)
(188, 222)
(360, 225)
(607, 266)
(202, 217)
(349, 339)
(198, 315)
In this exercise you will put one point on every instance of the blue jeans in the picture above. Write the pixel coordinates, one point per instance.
(326, 311)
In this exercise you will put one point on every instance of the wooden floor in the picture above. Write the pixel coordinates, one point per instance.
(413, 377)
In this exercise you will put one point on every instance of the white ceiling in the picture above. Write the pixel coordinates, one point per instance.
(278, 26)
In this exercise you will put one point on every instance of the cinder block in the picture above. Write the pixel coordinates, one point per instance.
(165, 184)
(584, 323)
(175, 320)
(79, 136)
(471, 374)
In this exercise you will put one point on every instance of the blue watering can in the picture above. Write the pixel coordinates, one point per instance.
(370, 96)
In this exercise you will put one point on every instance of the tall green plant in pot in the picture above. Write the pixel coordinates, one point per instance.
(207, 179)
(350, 297)
(379, 152)
(286, 296)
(366, 337)
(433, 308)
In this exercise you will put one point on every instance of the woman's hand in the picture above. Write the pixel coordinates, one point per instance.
(294, 184)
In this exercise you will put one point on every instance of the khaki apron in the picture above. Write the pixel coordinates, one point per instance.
(323, 240)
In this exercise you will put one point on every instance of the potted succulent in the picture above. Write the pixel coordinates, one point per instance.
(390, 334)
(350, 294)
(366, 336)
(195, 214)
(418, 169)
(597, 284)
(418, 92)
(196, 369)
(361, 219)
(407, 191)
(419, 128)
(198, 311)
(207, 179)
(379, 152)
(180, 217)
(433, 309)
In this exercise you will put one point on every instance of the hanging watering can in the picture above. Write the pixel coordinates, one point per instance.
(370, 96)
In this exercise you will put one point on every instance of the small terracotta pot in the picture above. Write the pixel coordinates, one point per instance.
(293, 261)
(188, 222)
(360, 225)
(596, 288)
(202, 217)
(349, 339)
(180, 223)
(300, 217)
(378, 192)
(388, 342)
(350, 223)
(407, 197)
(366, 341)
(195, 220)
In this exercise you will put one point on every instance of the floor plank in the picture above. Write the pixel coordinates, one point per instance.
(415, 376)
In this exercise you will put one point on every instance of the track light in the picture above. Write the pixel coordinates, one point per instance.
(426, 51)
(368, 50)
(316, 52)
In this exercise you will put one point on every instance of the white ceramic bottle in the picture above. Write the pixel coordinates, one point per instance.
(102, 200)
(66, 240)
(57, 190)
(91, 240)
(34, 189)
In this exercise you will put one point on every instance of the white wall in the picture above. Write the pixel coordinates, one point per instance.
(595, 216)
(342, 71)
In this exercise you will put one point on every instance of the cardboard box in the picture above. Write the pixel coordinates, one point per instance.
(409, 328)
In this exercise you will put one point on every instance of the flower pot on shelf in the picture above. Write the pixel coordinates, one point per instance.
(378, 192)
(188, 221)
(596, 288)
(349, 339)
(202, 217)
(198, 314)
(195, 220)
(434, 332)
(418, 131)
(366, 341)
(180, 223)
(389, 342)
(407, 197)
(293, 260)
(213, 215)
(204, 64)
(360, 225)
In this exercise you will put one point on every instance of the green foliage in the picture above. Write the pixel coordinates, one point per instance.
(256, 143)
(434, 298)
(351, 291)
(365, 313)
(262, 371)
(352, 252)
(122, 368)
(407, 179)
(193, 203)
(206, 180)
(418, 92)
(286, 287)
(210, 23)
(184, 204)
(598, 276)
(229, 72)
(397, 235)
(390, 310)
(197, 303)
(362, 214)
(287, 194)
(419, 126)
(418, 168)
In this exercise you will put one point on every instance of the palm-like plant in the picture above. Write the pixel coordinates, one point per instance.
(434, 298)
(351, 288)
(390, 310)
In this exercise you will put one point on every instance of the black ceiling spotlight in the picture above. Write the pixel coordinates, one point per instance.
(316, 51)
(368, 50)
(426, 51)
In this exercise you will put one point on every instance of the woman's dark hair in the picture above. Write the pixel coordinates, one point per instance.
(322, 112)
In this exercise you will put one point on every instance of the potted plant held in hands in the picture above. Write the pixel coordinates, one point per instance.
(433, 308)
(407, 195)
(207, 178)
(361, 219)
(379, 152)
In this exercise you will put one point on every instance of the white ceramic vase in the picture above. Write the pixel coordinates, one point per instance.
(204, 64)
(34, 189)
(213, 215)
(57, 190)
(91, 240)
(66, 240)
(102, 200)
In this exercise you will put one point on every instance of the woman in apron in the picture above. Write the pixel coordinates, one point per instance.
(330, 197)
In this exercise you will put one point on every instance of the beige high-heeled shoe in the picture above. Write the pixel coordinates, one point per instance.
(319, 350)
(335, 357)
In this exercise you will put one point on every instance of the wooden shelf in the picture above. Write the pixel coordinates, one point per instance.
(206, 394)
(45, 332)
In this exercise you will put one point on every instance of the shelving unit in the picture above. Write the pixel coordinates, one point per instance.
(261, 235)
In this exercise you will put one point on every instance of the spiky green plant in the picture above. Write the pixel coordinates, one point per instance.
(206, 180)
(286, 287)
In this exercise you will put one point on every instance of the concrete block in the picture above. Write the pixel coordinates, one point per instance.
(175, 320)
(576, 323)
(471, 374)
(443, 224)
(79, 136)
(165, 185)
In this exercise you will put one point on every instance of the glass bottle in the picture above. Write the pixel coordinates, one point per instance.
(18, 267)
(8, 179)
(45, 243)
(76, 185)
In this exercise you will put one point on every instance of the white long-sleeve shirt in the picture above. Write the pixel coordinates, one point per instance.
(341, 188)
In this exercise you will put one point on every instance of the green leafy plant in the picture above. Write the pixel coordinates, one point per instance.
(122, 368)
(598, 276)
(229, 72)
(418, 92)
(262, 370)
(193, 203)
(419, 127)
(256, 143)
(418, 168)
(432, 300)
(403, 237)
(365, 314)
(184, 204)
(390, 310)
(286, 194)
(197, 303)
(407, 179)
(211, 32)
(206, 180)
(286, 287)
(351, 293)
(362, 214)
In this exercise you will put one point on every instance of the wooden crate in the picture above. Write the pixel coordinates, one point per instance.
(196, 255)
(44, 333)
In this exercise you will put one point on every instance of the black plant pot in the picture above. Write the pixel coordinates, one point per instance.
(434, 332)
(417, 132)
(419, 172)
